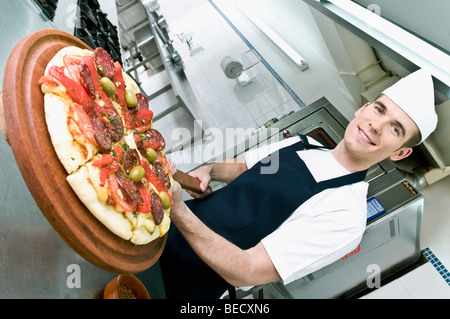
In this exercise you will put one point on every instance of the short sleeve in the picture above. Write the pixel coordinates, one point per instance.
(305, 244)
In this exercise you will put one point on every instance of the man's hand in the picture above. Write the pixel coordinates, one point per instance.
(203, 174)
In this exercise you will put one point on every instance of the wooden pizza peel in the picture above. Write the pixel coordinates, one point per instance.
(23, 125)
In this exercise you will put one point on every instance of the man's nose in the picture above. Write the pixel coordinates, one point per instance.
(376, 125)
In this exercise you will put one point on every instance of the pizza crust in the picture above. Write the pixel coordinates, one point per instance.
(71, 154)
(107, 215)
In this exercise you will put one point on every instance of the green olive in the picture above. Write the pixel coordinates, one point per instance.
(137, 173)
(108, 86)
(165, 198)
(151, 155)
(131, 98)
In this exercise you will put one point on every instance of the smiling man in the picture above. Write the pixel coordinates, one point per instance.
(266, 227)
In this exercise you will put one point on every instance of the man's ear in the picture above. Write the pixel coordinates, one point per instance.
(361, 108)
(401, 153)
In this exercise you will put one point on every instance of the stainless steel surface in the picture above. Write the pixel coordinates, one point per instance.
(174, 67)
(159, 28)
(388, 245)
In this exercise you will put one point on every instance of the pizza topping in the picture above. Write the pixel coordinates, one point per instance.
(120, 86)
(117, 195)
(158, 168)
(86, 80)
(84, 124)
(144, 206)
(153, 139)
(166, 199)
(151, 155)
(108, 87)
(137, 173)
(104, 62)
(102, 134)
(142, 103)
(131, 159)
(129, 188)
(152, 178)
(157, 209)
(74, 89)
(131, 98)
(110, 115)
(72, 63)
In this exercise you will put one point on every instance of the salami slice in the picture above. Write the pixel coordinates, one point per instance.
(104, 62)
(131, 159)
(129, 188)
(157, 209)
(101, 133)
(153, 135)
(114, 124)
(158, 168)
(86, 79)
(142, 102)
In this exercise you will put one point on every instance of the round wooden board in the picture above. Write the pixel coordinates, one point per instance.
(40, 167)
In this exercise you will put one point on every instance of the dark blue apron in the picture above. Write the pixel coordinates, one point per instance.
(244, 212)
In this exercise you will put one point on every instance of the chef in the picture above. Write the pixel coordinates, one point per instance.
(287, 224)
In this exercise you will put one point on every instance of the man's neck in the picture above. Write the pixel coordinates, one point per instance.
(348, 160)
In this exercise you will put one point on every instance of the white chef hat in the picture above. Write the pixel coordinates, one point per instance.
(414, 94)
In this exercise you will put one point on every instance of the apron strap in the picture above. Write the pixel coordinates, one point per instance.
(307, 145)
(338, 181)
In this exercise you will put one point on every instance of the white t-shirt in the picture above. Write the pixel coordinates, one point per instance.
(324, 228)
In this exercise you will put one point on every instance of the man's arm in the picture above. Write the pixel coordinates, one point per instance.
(238, 267)
(225, 171)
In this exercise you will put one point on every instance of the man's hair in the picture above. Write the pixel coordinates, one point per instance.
(413, 140)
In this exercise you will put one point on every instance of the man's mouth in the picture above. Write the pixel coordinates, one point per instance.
(365, 136)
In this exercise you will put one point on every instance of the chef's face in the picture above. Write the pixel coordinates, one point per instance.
(379, 130)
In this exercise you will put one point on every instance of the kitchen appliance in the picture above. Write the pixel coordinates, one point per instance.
(96, 30)
(391, 240)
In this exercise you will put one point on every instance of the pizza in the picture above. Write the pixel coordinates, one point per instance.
(101, 128)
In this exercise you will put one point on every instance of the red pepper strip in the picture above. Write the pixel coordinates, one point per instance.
(119, 82)
(74, 89)
(105, 160)
(144, 116)
(89, 61)
(113, 187)
(152, 178)
(151, 144)
(118, 152)
(72, 63)
(120, 86)
(103, 175)
(109, 164)
(145, 205)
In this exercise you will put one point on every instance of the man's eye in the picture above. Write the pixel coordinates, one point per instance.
(396, 130)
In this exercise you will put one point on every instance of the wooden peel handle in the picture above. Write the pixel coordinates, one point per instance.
(187, 182)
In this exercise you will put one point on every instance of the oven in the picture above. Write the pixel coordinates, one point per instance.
(390, 244)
